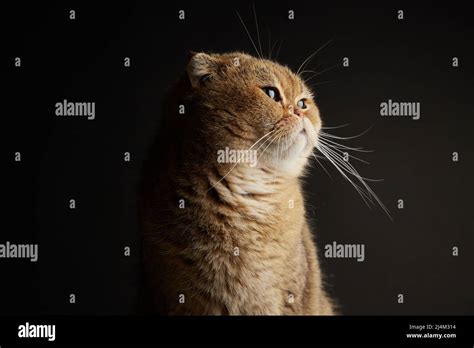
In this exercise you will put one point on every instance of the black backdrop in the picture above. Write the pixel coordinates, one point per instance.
(81, 250)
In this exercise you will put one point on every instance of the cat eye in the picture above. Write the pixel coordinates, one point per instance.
(205, 78)
(272, 92)
(302, 104)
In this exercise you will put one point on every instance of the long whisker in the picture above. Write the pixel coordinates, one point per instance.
(269, 139)
(271, 142)
(342, 147)
(311, 71)
(320, 72)
(346, 138)
(235, 164)
(368, 193)
(273, 46)
(320, 164)
(278, 49)
(359, 190)
(307, 60)
(320, 83)
(358, 149)
(308, 71)
(258, 33)
(342, 152)
(248, 34)
(269, 45)
(347, 166)
(344, 125)
(277, 160)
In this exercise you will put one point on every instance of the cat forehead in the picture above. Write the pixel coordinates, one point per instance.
(289, 83)
(267, 71)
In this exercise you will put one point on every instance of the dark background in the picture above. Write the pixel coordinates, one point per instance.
(81, 250)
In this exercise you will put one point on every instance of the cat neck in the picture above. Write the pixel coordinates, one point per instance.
(239, 190)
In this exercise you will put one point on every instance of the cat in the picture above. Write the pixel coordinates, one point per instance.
(231, 237)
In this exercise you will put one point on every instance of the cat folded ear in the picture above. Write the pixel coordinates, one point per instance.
(200, 68)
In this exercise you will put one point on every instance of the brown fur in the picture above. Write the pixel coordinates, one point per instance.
(241, 245)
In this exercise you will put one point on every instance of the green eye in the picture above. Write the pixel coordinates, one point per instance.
(302, 104)
(272, 92)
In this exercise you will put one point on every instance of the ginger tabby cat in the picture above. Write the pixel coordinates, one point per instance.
(226, 238)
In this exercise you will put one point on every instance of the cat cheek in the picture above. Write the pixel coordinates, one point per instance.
(314, 113)
(313, 118)
(273, 112)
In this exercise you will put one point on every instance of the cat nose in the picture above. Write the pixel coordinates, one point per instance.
(294, 110)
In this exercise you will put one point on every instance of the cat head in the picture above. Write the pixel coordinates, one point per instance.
(252, 104)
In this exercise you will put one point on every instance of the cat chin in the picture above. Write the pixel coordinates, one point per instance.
(296, 156)
(300, 144)
(304, 141)
(302, 147)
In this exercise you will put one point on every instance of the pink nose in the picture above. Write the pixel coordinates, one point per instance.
(294, 110)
